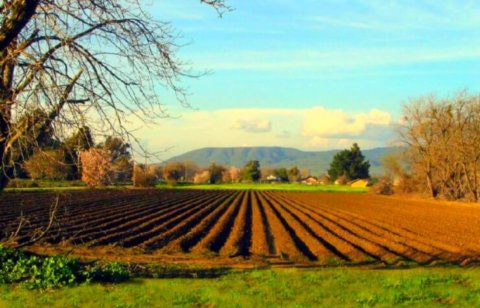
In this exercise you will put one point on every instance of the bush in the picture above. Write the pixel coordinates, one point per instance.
(407, 184)
(48, 165)
(324, 180)
(144, 176)
(383, 187)
(96, 167)
(52, 272)
(36, 272)
(173, 172)
(202, 177)
(110, 272)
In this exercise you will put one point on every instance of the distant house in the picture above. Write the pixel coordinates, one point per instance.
(311, 180)
(272, 179)
(361, 183)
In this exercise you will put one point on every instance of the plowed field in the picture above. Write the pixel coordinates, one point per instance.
(246, 227)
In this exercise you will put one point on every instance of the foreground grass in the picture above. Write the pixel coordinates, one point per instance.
(271, 288)
(264, 186)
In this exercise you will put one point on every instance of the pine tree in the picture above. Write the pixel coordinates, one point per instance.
(350, 163)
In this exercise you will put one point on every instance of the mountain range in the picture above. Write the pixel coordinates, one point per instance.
(316, 161)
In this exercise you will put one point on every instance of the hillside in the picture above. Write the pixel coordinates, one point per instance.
(316, 162)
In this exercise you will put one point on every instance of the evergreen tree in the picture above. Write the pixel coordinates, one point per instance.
(350, 163)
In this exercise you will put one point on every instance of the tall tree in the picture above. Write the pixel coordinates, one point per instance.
(282, 174)
(173, 172)
(349, 163)
(443, 141)
(294, 174)
(122, 164)
(251, 171)
(81, 140)
(74, 58)
(216, 173)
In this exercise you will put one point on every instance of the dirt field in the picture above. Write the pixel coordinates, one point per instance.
(247, 228)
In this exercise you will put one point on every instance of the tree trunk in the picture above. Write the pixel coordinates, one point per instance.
(6, 82)
(20, 13)
(433, 190)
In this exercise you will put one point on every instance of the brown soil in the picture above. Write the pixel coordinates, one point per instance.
(246, 229)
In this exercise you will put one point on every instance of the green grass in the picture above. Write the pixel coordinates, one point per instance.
(60, 186)
(423, 287)
(263, 186)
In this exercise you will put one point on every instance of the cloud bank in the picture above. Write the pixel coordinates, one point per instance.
(316, 128)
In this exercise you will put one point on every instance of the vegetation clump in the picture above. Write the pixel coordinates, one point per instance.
(37, 272)
(251, 171)
(349, 163)
(144, 176)
(383, 187)
(96, 167)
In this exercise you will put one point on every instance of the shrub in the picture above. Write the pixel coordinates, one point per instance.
(122, 170)
(173, 172)
(383, 187)
(324, 179)
(52, 272)
(144, 176)
(48, 165)
(36, 272)
(234, 174)
(96, 167)
(202, 177)
(408, 184)
(110, 272)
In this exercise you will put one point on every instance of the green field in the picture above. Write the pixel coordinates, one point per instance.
(52, 186)
(264, 186)
(271, 288)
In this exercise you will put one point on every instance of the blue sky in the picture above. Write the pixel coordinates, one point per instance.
(345, 58)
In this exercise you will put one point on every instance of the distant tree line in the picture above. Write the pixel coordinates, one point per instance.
(76, 157)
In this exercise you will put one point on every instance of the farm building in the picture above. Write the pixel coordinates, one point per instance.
(311, 180)
(362, 183)
(272, 179)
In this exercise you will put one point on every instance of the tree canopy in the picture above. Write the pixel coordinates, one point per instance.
(216, 173)
(251, 171)
(350, 163)
(82, 60)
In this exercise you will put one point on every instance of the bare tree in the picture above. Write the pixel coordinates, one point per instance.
(81, 61)
(443, 139)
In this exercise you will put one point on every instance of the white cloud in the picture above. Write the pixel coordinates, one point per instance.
(321, 122)
(253, 126)
(315, 128)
